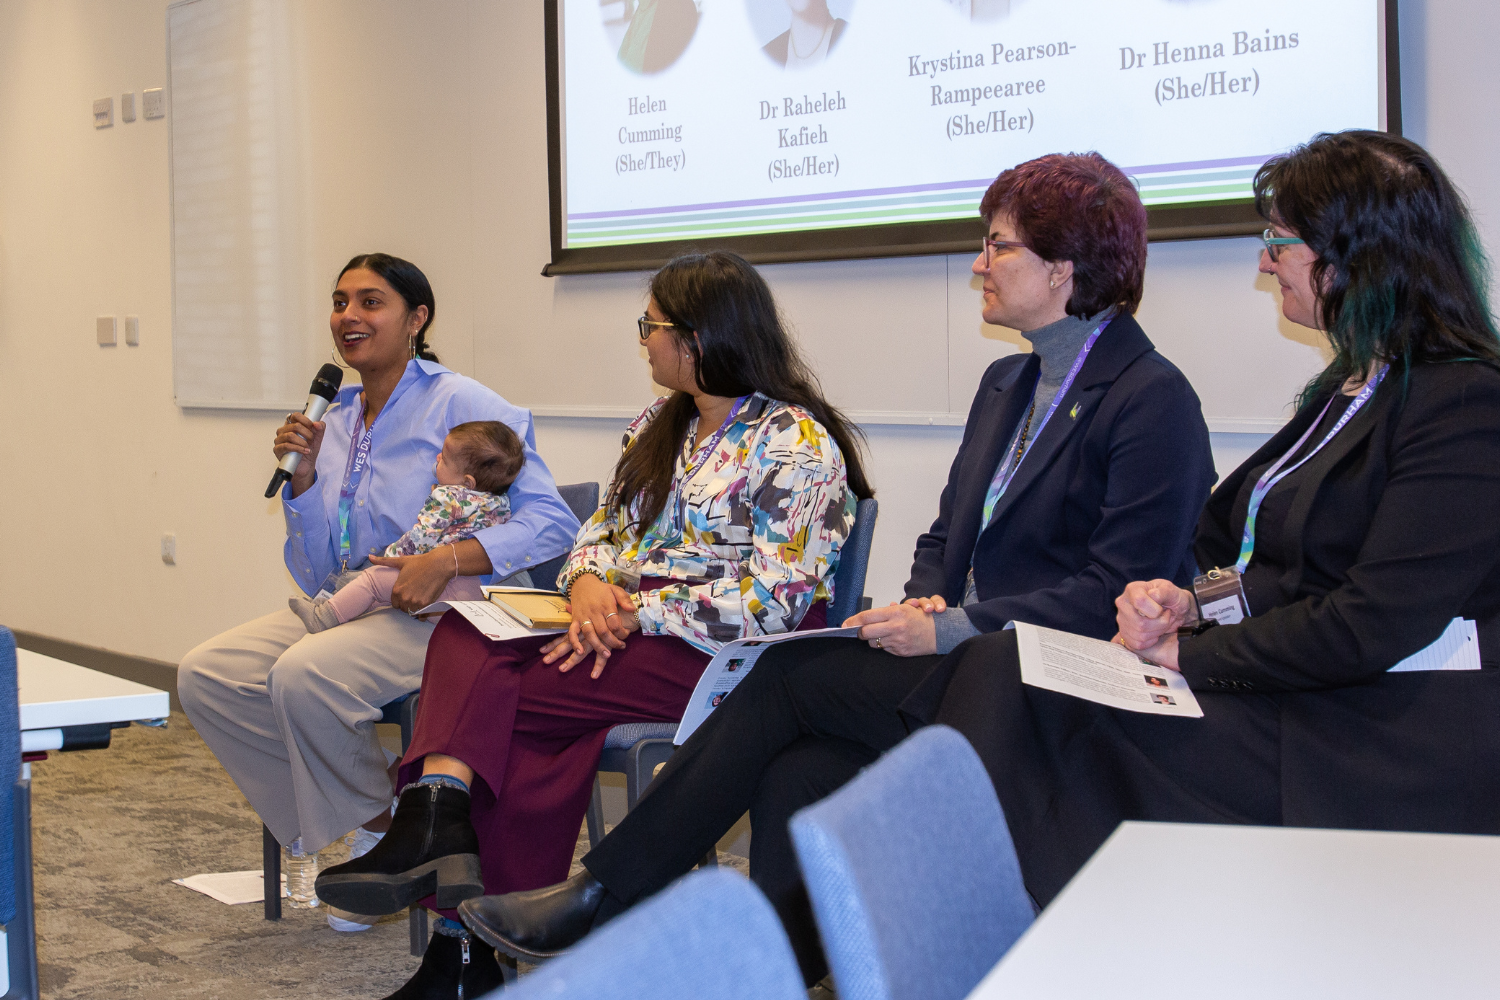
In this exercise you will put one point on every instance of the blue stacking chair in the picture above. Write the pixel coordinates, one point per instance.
(582, 499)
(637, 749)
(911, 871)
(711, 935)
(16, 902)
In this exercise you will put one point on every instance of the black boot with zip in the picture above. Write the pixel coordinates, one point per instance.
(453, 968)
(430, 848)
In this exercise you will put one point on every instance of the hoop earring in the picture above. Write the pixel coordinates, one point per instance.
(333, 352)
(414, 348)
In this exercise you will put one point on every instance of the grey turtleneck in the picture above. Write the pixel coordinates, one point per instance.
(1057, 345)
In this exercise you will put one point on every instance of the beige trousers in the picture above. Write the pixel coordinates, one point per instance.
(292, 716)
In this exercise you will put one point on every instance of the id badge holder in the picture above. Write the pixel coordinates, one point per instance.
(328, 587)
(1221, 596)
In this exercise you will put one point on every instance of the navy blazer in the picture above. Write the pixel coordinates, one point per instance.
(1110, 491)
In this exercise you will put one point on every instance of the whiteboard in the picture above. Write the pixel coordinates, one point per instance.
(289, 157)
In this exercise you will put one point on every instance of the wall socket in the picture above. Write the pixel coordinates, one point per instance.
(104, 112)
(127, 107)
(154, 103)
(169, 549)
(133, 331)
(104, 330)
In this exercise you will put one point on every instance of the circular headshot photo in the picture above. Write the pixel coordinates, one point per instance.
(650, 35)
(798, 34)
(981, 10)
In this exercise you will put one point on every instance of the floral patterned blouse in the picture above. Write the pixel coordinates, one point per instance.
(752, 528)
(451, 514)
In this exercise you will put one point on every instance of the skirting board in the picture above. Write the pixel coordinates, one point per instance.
(153, 673)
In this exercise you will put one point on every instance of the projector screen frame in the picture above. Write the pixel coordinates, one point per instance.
(901, 239)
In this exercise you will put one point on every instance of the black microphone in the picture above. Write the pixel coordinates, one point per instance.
(325, 386)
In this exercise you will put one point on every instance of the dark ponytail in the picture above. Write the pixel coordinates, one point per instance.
(409, 282)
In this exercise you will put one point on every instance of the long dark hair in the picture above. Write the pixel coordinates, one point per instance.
(409, 282)
(741, 347)
(1400, 273)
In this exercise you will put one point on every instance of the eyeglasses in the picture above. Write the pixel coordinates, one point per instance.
(644, 325)
(1274, 243)
(997, 245)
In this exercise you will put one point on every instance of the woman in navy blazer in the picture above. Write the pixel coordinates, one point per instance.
(1083, 466)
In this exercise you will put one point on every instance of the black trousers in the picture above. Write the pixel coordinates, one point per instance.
(804, 721)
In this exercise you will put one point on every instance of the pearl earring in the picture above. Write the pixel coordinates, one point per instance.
(1052, 284)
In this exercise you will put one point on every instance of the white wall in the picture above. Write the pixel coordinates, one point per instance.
(91, 484)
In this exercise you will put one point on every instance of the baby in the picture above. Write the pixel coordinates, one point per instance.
(479, 461)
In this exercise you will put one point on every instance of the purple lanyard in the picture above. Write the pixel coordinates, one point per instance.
(354, 470)
(679, 509)
(1272, 476)
(1011, 464)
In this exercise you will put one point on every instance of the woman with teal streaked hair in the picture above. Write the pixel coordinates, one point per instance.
(659, 32)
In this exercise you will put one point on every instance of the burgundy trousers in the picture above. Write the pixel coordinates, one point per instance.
(533, 735)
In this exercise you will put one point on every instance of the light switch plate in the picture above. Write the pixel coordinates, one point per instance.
(153, 103)
(127, 107)
(104, 112)
(105, 328)
(133, 331)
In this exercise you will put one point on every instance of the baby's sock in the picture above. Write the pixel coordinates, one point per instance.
(316, 615)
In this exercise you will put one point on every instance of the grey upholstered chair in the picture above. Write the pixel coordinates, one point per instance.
(912, 874)
(710, 935)
(637, 749)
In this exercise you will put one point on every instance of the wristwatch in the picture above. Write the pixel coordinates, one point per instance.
(1193, 631)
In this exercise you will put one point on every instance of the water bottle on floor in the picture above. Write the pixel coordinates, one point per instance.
(301, 876)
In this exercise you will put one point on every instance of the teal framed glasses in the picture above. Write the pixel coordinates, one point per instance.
(1274, 243)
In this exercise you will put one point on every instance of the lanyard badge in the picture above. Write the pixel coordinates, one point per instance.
(354, 470)
(1221, 592)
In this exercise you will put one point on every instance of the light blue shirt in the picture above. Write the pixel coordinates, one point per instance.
(405, 441)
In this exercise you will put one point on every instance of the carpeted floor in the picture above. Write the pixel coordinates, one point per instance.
(112, 828)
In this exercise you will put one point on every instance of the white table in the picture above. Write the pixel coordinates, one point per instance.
(1164, 911)
(57, 696)
(63, 706)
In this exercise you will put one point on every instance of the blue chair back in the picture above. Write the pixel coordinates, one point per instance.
(582, 499)
(710, 935)
(10, 771)
(854, 560)
(912, 874)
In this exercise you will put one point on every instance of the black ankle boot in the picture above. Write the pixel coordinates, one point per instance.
(453, 969)
(542, 923)
(430, 848)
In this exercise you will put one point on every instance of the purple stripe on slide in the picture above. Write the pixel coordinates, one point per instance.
(983, 182)
(1237, 161)
(794, 199)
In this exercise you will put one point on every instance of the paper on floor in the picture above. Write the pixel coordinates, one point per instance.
(231, 887)
(1101, 672)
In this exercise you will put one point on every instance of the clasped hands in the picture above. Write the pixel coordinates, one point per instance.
(903, 629)
(1148, 615)
(603, 615)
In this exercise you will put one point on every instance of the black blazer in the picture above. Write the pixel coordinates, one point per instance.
(1403, 508)
(1108, 494)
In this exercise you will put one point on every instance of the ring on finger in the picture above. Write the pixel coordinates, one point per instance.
(612, 614)
(588, 623)
(878, 645)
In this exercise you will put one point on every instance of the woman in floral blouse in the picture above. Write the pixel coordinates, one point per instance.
(724, 518)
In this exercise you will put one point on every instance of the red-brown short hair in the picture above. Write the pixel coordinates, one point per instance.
(1082, 208)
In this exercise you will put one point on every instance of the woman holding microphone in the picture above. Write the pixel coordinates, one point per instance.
(291, 716)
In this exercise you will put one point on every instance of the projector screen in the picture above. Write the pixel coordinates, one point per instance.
(818, 129)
